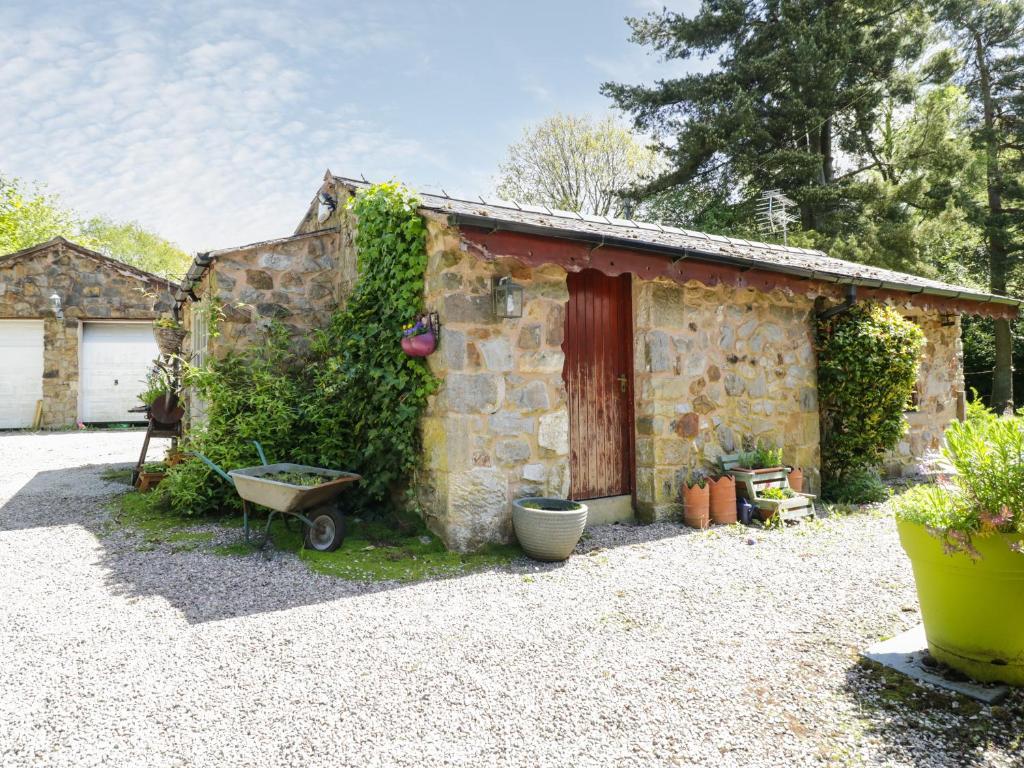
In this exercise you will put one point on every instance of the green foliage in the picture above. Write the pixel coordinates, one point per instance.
(576, 164)
(130, 243)
(255, 395)
(987, 492)
(988, 456)
(977, 410)
(762, 456)
(746, 124)
(368, 396)
(776, 493)
(29, 216)
(352, 401)
(860, 485)
(867, 370)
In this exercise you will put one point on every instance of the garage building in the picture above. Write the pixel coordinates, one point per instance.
(75, 335)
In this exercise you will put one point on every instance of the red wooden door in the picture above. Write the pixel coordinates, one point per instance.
(599, 379)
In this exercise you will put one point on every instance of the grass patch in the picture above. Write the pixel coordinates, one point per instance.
(371, 551)
(114, 475)
(375, 552)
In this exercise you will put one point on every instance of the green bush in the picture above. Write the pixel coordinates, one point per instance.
(858, 486)
(867, 369)
(354, 400)
(987, 492)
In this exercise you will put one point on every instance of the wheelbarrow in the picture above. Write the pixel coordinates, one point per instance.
(315, 506)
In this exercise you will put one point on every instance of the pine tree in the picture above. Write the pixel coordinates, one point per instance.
(799, 85)
(989, 37)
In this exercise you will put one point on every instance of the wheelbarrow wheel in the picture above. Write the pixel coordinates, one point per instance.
(327, 531)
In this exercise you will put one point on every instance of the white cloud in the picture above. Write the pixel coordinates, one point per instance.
(206, 122)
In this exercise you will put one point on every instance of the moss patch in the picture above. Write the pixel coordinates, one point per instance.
(372, 551)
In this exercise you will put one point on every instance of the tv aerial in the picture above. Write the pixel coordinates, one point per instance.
(773, 215)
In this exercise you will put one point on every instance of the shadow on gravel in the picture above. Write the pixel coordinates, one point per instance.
(929, 727)
(209, 587)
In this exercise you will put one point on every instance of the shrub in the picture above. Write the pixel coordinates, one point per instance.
(987, 493)
(353, 401)
(867, 368)
(858, 486)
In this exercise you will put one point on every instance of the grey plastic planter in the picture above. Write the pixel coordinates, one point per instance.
(549, 534)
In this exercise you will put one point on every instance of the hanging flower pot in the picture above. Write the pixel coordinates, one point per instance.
(722, 499)
(419, 339)
(419, 346)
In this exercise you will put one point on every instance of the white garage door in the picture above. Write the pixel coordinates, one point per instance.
(115, 360)
(21, 371)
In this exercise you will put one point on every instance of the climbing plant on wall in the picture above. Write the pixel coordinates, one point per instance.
(353, 400)
(368, 397)
(868, 362)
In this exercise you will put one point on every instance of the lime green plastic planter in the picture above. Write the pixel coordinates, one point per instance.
(973, 610)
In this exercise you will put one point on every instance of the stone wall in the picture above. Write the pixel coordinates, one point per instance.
(498, 428)
(299, 281)
(940, 391)
(716, 367)
(91, 287)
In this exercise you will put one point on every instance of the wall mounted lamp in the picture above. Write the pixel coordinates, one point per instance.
(326, 205)
(508, 298)
(55, 303)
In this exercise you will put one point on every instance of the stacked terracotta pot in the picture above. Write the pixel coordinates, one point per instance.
(715, 502)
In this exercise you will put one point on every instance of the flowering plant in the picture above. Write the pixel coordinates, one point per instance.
(985, 496)
(415, 329)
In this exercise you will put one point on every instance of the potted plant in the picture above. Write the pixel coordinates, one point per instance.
(548, 529)
(696, 499)
(150, 476)
(722, 498)
(419, 338)
(168, 334)
(762, 459)
(965, 540)
(796, 479)
(763, 480)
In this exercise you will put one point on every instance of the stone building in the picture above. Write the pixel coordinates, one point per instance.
(75, 335)
(642, 351)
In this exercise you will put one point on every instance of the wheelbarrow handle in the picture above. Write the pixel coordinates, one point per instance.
(213, 466)
(259, 450)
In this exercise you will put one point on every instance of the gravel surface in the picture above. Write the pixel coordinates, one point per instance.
(652, 646)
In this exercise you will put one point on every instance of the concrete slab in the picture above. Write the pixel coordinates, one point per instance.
(611, 509)
(904, 654)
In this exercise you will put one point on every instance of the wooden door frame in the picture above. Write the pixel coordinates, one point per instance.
(630, 330)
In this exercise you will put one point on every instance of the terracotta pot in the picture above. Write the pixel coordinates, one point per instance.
(696, 512)
(722, 496)
(419, 346)
(796, 479)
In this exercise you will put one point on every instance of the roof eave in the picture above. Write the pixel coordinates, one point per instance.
(676, 253)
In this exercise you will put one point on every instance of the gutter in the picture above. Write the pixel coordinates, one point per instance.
(676, 254)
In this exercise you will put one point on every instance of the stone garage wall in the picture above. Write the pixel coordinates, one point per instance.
(715, 367)
(91, 287)
(498, 428)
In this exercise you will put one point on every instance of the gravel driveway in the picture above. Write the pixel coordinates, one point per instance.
(656, 646)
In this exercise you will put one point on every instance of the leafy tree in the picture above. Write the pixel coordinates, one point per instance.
(576, 164)
(130, 243)
(988, 37)
(29, 216)
(799, 86)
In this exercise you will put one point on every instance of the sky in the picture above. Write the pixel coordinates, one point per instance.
(212, 123)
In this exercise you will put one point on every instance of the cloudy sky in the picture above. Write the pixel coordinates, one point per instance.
(212, 122)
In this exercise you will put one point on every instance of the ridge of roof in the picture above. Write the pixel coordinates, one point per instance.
(89, 253)
(670, 240)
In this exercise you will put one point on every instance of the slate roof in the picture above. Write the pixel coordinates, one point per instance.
(107, 261)
(683, 243)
